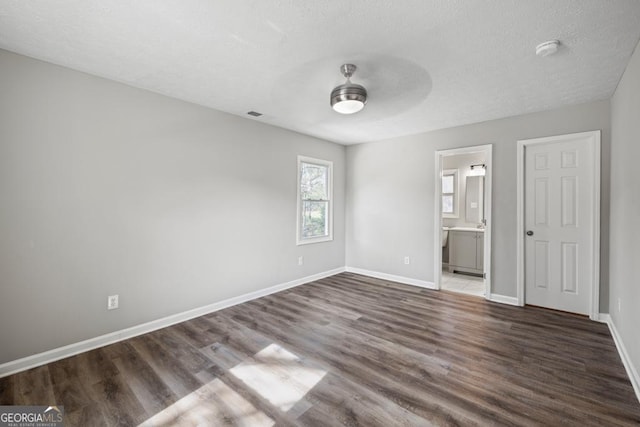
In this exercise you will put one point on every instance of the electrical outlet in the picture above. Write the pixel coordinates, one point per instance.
(112, 302)
(619, 305)
(300, 260)
(407, 260)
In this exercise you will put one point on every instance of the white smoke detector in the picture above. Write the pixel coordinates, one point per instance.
(547, 48)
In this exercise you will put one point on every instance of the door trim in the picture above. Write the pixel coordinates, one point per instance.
(522, 144)
(439, 155)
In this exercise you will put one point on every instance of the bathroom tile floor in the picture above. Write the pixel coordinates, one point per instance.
(462, 283)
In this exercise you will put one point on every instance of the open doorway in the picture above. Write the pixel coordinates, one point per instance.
(463, 220)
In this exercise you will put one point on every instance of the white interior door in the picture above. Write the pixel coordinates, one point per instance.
(560, 202)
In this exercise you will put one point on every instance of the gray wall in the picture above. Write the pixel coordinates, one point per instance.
(106, 189)
(390, 189)
(625, 209)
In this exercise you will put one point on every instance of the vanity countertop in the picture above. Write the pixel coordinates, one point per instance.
(480, 230)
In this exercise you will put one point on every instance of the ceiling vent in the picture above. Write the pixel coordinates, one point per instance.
(547, 48)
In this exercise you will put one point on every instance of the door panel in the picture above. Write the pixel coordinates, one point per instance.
(542, 201)
(559, 205)
(570, 267)
(541, 268)
(462, 249)
(569, 200)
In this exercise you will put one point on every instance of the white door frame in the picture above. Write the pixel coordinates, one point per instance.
(440, 154)
(522, 144)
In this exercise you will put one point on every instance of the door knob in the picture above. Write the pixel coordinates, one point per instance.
(529, 233)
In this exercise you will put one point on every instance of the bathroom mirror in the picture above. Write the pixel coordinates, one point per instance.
(474, 199)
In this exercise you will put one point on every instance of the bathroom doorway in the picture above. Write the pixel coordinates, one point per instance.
(463, 220)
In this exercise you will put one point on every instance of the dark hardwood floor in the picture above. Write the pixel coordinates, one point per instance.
(347, 350)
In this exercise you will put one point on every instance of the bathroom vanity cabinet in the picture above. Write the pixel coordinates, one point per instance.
(466, 251)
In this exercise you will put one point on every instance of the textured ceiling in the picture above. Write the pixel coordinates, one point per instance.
(426, 64)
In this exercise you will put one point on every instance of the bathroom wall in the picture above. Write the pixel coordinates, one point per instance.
(461, 162)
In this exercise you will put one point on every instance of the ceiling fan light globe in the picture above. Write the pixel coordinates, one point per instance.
(348, 106)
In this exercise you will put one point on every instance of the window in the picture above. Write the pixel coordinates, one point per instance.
(449, 193)
(315, 190)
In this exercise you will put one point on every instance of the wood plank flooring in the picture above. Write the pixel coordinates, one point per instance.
(347, 350)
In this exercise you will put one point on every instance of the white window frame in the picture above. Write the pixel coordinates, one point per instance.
(456, 188)
(329, 237)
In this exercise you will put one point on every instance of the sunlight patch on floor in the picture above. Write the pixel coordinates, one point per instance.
(274, 373)
(211, 403)
(278, 375)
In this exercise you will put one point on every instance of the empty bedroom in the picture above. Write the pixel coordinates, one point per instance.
(363, 213)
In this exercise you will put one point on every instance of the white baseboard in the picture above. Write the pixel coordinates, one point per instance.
(622, 350)
(502, 299)
(423, 284)
(392, 277)
(39, 359)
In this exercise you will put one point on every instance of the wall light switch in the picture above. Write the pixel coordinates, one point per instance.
(407, 260)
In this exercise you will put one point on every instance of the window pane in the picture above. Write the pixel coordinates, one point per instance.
(447, 204)
(314, 219)
(447, 184)
(313, 182)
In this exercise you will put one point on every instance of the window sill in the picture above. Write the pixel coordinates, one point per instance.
(314, 240)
